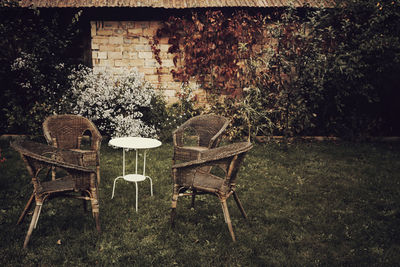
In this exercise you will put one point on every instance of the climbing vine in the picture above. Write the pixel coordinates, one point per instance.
(209, 48)
(254, 56)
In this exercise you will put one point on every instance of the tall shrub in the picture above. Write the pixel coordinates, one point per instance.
(297, 71)
(257, 61)
(361, 42)
(34, 64)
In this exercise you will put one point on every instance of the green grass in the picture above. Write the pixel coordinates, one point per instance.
(310, 204)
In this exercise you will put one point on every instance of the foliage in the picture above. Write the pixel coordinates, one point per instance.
(264, 61)
(180, 111)
(157, 114)
(279, 80)
(115, 103)
(33, 64)
(206, 47)
(289, 76)
(297, 71)
(361, 42)
(249, 115)
(315, 204)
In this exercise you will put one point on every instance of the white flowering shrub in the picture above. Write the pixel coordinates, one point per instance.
(115, 103)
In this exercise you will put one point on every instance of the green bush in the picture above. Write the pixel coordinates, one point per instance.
(34, 64)
(360, 40)
(179, 112)
(327, 71)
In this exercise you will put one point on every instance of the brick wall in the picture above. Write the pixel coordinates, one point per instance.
(120, 45)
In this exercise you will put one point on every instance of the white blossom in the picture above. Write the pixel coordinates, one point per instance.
(24, 61)
(111, 101)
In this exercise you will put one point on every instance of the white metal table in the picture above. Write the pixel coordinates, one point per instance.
(135, 143)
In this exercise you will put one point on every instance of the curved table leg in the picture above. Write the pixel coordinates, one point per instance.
(119, 177)
(151, 185)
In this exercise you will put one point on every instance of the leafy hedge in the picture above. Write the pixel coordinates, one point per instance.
(34, 64)
(296, 71)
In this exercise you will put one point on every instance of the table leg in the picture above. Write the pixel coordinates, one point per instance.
(123, 161)
(119, 177)
(136, 162)
(137, 197)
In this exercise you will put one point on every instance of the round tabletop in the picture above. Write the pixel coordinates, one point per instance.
(134, 142)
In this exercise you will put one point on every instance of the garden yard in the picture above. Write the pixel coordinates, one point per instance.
(308, 203)
(289, 71)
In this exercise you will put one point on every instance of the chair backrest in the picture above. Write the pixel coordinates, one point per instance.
(208, 129)
(66, 131)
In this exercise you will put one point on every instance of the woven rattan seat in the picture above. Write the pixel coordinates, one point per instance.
(59, 185)
(207, 131)
(67, 131)
(40, 159)
(196, 177)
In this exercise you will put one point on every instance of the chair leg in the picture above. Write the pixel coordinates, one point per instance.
(239, 204)
(98, 174)
(95, 210)
(227, 218)
(97, 220)
(174, 204)
(27, 206)
(34, 220)
(173, 214)
(193, 198)
(37, 218)
(94, 200)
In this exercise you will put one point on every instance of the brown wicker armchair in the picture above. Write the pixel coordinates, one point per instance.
(40, 159)
(67, 131)
(207, 129)
(196, 177)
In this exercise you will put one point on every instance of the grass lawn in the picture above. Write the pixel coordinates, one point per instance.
(310, 204)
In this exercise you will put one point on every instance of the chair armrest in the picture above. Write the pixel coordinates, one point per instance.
(216, 154)
(51, 156)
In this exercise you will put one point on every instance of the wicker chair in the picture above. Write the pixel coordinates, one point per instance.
(40, 159)
(66, 131)
(194, 177)
(206, 129)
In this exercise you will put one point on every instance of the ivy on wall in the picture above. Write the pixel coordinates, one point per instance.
(208, 47)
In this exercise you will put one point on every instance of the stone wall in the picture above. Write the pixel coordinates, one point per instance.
(120, 45)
